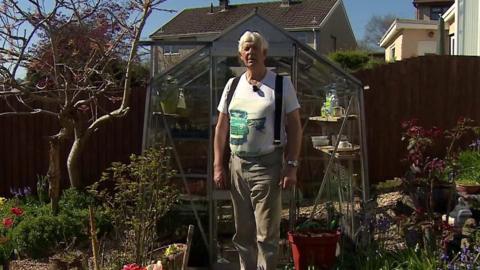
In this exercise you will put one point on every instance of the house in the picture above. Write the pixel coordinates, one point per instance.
(322, 24)
(431, 9)
(463, 22)
(409, 38)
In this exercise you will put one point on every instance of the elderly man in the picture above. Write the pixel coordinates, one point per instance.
(260, 112)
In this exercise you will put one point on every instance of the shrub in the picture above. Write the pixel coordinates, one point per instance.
(142, 195)
(74, 205)
(73, 198)
(37, 233)
(353, 60)
(37, 236)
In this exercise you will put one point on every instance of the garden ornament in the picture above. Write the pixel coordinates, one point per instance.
(460, 213)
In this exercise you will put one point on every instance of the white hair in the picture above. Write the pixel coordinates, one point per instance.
(252, 37)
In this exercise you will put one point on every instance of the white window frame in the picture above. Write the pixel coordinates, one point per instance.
(171, 50)
(451, 49)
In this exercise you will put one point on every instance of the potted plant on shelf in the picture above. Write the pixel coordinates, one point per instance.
(314, 242)
(169, 93)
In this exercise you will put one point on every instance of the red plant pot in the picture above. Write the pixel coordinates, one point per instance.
(316, 249)
(468, 189)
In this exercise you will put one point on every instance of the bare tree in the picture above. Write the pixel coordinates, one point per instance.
(66, 79)
(376, 27)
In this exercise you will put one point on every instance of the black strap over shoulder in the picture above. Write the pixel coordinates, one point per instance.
(278, 109)
(231, 91)
(278, 104)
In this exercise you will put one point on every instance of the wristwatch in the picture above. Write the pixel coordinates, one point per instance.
(293, 163)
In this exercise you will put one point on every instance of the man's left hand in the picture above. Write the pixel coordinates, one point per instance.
(289, 177)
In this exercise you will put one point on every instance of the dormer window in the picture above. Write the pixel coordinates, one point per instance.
(171, 50)
(436, 12)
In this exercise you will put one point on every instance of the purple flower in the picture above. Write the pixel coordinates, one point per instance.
(475, 145)
(383, 224)
(26, 191)
(444, 257)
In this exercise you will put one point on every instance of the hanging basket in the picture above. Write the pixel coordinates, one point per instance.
(314, 249)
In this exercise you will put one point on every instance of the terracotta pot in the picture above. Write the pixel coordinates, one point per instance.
(314, 250)
(468, 189)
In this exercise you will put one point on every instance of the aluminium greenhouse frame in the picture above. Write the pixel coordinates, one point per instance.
(223, 48)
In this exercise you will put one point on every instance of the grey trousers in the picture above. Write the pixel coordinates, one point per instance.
(257, 205)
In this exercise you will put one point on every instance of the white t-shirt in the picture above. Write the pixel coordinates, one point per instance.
(252, 114)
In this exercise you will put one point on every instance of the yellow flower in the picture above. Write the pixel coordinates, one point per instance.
(2, 201)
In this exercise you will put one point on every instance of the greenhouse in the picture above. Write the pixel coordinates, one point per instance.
(181, 114)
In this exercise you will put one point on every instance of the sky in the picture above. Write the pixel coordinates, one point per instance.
(359, 11)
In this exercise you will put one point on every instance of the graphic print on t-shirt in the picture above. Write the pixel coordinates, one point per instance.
(258, 124)
(239, 126)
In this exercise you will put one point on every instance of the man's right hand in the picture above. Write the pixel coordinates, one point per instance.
(219, 176)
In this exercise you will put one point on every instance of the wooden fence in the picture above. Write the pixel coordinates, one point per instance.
(24, 145)
(437, 90)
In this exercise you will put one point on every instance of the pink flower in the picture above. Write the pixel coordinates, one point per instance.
(7, 223)
(132, 266)
(17, 211)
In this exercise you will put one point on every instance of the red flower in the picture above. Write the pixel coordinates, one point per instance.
(132, 266)
(17, 211)
(7, 222)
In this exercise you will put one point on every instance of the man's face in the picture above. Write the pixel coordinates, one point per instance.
(252, 55)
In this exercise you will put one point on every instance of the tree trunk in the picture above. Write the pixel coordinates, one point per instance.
(74, 162)
(54, 171)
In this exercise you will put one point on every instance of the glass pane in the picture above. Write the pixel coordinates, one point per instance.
(167, 56)
(330, 117)
(180, 98)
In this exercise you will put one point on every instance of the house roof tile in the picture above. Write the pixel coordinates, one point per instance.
(433, 1)
(307, 13)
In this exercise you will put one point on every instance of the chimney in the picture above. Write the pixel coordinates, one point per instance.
(223, 4)
(286, 3)
(211, 9)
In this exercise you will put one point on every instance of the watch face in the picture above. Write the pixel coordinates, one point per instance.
(293, 163)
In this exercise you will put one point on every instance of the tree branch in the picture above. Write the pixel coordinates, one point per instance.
(35, 111)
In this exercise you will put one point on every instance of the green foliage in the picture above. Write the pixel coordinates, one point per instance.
(468, 163)
(37, 236)
(42, 188)
(73, 198)
(389, 185)
(6, 251)
(74, 205)
(142, 195)
(377, 258)
(353, 60)
(37, 233)
(417, 260)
